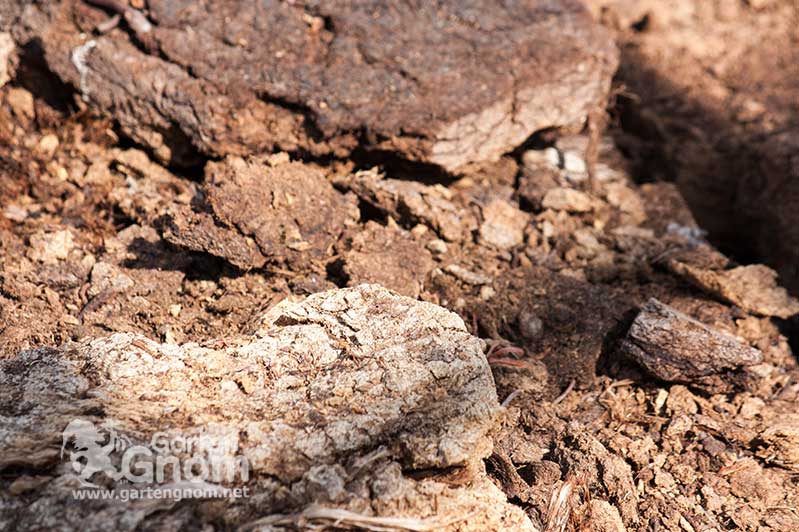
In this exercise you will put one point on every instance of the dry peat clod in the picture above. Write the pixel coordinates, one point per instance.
(677, 348)
(443, 83)
(388, 256)
(263, 209)
(411, 202)
(348, 386)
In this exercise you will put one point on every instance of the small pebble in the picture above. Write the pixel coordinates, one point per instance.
(660, 400)
(552, 157)
(547, 230)
(585, 238)
(575, 166)
(15, 213)
(69, 319)
(47, 146)
(168, 336)
(533, 159)
(530, 325)
(487, 292)
(437, 247)
(503, 225)
(228, 387)
(567, 199)
(467, 276)
(419, 230)
(49, 248)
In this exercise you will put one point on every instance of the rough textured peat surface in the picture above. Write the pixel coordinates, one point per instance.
(349, 376)
(677, 348)
(191, 242)
(441, 82)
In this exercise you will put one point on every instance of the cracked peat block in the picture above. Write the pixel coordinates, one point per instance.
(356, 378)
(442, 82)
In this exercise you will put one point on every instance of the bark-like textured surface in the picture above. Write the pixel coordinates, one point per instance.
(323, 382)
(678, 348)
(199, 231)
(443, 82)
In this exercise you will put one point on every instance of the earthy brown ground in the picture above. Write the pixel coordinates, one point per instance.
(546, 263)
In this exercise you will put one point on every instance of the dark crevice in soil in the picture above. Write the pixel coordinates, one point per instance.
(306, 157)
(119, 219)
(370, 212)
(207, 267)
(34, 75)
(336, 273)
(542, 139)
(436, 473)
(398, 167)
(680, 139)
(314, 11)
(642, 24)
(195, 265)
(186, 161)
(649, 161)
(610, 359)
(790, 328)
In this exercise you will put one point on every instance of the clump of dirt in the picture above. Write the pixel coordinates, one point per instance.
(303, 218)
(407, 406)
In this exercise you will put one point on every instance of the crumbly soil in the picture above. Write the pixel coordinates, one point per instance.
(548, 253)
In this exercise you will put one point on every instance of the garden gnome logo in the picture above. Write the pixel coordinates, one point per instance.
(92, 447)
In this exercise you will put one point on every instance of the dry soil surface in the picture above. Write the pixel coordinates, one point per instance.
(559, 345)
